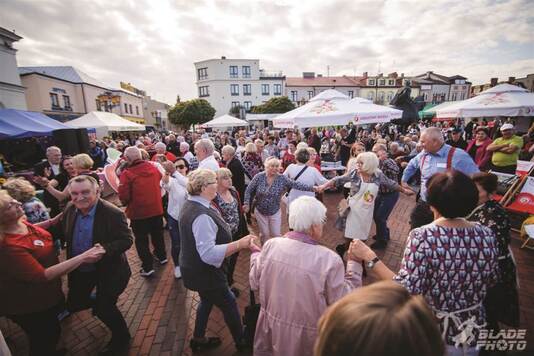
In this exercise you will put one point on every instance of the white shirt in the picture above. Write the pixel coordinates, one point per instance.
(55, 168)
(311, 176)
(177, 194)
(188, 156)
(209, 163)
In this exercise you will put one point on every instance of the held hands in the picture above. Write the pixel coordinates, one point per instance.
(255, 244)
(407, 191)
(359, 251)
(56, 219)
(246, 208)
(94, 254)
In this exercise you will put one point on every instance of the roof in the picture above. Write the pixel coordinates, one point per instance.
(343, 81)
(4, 32)
(66, 73)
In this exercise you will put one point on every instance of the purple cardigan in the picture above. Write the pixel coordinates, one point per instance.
(482, 155)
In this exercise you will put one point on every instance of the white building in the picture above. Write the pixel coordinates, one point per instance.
(300, 90)
(437, 88)
(227, 83)
(11, 90)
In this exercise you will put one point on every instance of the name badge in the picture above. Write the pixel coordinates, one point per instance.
(38, 243)
(442, 165)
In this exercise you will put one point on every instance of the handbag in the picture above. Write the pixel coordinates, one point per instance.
(250, 318)
(343, 210)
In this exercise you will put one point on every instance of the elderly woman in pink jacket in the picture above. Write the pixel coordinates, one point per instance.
(298, 279)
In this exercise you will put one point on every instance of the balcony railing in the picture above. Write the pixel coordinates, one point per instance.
(271, 74)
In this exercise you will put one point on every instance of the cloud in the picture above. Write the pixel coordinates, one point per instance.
(153, 44)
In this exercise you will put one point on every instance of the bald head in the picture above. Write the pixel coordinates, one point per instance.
(132, 154)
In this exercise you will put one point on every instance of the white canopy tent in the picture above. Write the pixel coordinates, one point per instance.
(501, 100)
(332, 108)
(225, 121)
(104, 122)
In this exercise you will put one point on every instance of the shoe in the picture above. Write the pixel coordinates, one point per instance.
(208, 343)
(177, 272)
(236, 292)
(379, 245)
(116, 346)
(161, 261)
(144, 273)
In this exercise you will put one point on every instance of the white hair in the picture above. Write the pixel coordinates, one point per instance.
(302, 145)
(53, 148)
(304, 212)
(228, 150)
(206, 144)
(184, 145)
(133, 153)
(160, 145)
(369, 162)
(433, 133)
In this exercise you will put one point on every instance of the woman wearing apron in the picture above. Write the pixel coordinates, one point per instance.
(365, 181)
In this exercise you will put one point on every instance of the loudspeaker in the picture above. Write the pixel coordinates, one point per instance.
(67, 140)
(83, 140)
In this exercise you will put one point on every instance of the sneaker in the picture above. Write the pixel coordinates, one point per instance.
(207, 343)
(177, 272)
(144, 273)
(161, 261)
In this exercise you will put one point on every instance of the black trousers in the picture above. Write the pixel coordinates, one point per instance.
(143, 229)
(43, 330)
(504, 169)
(81, 285)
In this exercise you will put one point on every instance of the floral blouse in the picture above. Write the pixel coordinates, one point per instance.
(229, 212)
(267, 198)
(35, 211)
(452, 269)
(253, 164)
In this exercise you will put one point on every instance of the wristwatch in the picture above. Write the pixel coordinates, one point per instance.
(372, 263)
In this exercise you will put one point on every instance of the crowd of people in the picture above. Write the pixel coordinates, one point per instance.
(207, 187)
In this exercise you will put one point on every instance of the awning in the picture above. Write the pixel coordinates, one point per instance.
(23, 124)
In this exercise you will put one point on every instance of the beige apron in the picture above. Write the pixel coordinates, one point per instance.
(360, 217)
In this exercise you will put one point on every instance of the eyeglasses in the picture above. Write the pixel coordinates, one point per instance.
(180, 166)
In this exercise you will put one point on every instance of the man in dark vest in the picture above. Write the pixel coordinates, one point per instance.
(206, 241)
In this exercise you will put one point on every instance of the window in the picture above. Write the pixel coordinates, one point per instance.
(233, 72)
(382, 82)
(131, 110)
(310, 94)
(391, 82)
(66, 102)
(371, 82)
(294, 95)
(203, 91)
(137, 110)
(265, 89)
(247, 89)
(351, 94)
(55, 101)
(248, 105)
(246, 71)
(234, 89)
(370, 95)
(126, 108)
(277, 89)
(202, 73)
(235, 104)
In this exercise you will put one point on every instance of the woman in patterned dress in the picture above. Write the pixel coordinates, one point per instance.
(23, 191)
(451, 262)
(502, 301)
(228, 202)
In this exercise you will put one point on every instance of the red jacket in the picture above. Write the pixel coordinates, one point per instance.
(140, 190)
(482, 155)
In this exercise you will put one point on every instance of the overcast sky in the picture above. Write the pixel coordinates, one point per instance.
(153, 43)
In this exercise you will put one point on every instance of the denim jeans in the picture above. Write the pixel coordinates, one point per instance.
(175, 239)
(224, 299)
(385, 202)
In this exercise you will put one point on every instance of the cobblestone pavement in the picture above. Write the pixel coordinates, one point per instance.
(160, 312)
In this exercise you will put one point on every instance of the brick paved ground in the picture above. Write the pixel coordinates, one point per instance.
(160, 312)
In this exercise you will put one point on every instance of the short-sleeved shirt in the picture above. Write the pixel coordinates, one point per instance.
(502, 159)
(23, 260)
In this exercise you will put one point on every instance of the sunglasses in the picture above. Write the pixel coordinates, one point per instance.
(180, 166)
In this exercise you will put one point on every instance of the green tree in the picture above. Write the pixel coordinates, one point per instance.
(234, 111)
(191, 112)
(278, 105)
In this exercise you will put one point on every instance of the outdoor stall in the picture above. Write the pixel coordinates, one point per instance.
(225, 121)
(104, 123)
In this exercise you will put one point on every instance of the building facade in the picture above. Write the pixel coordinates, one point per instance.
(65, 93)
(382, 88)
(301, 89)
(156, 113)
(527, 82)
(12, 93)
(229, 83)
(436, 88)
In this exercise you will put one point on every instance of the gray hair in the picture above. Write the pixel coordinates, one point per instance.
(160, 145)
(304, 212)
(198, 179)
(206, 144)
(85, 178)
(434, 133)
(184, 145)
(302, 155)
(369, 162)
(53, 148)
(228, 150)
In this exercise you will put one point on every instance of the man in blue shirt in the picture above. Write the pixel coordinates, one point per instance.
(436, 157)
